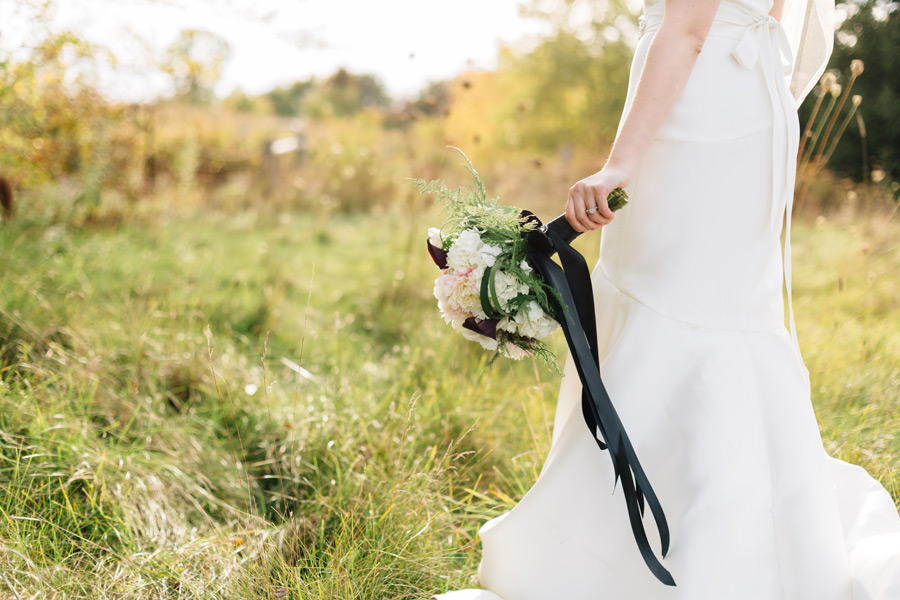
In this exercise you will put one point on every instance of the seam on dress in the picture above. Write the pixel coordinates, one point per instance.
(708, 141)
(775, 329)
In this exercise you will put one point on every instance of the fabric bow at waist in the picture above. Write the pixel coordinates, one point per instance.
(763, 34)
(764, 39)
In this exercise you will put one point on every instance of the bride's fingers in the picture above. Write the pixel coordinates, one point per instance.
(579, 201)
(571, 217)
(605, 212)
(596, 216)
(595, 219)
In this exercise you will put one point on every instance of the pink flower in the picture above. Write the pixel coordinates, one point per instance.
(515, 352)
(459, 296)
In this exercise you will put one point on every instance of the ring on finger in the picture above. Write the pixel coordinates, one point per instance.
(592, 210)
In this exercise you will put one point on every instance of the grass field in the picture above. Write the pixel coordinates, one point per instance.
(269, 406)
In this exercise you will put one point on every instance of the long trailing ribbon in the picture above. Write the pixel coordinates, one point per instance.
(578, 321)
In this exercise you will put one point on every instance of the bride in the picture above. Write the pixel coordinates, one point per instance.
(707, 380)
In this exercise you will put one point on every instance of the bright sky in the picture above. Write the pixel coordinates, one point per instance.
(406, 43)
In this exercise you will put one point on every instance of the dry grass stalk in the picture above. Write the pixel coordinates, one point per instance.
(812, 157)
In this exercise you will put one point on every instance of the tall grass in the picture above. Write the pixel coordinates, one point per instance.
(267, 404)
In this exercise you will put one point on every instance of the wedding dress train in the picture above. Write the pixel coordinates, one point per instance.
(709, 384)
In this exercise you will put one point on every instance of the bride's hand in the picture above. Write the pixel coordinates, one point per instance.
(592, 191)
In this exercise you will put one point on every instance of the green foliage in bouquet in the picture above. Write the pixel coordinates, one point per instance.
(501, 226)
(472, 208)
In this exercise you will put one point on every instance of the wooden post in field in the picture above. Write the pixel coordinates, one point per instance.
(270, 167)
(6, 198)
(150, 147)
(295, 144)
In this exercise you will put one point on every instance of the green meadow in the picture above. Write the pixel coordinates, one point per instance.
(223, 372)
(267, 404)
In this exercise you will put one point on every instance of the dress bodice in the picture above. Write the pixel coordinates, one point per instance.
(808, 24)
(653, 9)
(722, 272)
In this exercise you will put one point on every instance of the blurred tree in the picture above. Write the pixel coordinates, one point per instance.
(567, 91)
(434, 99)
(242, 102)
(194, 61)
(345, 93)
(52, 121)
(871, 33)
(575, 92)
(287, 101)
(579, 76)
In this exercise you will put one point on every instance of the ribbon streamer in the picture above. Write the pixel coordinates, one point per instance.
(576, 316)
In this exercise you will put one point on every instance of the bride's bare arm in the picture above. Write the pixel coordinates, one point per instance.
(670, 58)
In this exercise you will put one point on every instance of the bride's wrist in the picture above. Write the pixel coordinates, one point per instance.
(624, 167)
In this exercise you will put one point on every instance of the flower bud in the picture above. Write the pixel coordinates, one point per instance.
(828, 80)
(856, 66)
(856, 99)
(836, 90)
(434, 236)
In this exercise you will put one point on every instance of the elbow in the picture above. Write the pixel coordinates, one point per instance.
(696, 42)
(689, 30)
(693, 40)
(690, 37)
(695, 36)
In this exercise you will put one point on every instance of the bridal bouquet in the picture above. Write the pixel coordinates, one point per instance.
(488, 290)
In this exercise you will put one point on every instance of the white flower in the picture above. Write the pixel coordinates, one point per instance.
(470, 251)
(434, 236)
(530, 321)
(506, 324)
(489, 254)
(465, 252)
(507, 287)
(486, 342)
(525, 266)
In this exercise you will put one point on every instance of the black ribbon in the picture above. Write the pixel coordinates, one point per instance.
(579, 323)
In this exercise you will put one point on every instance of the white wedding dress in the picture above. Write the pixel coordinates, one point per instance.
(707, 380)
